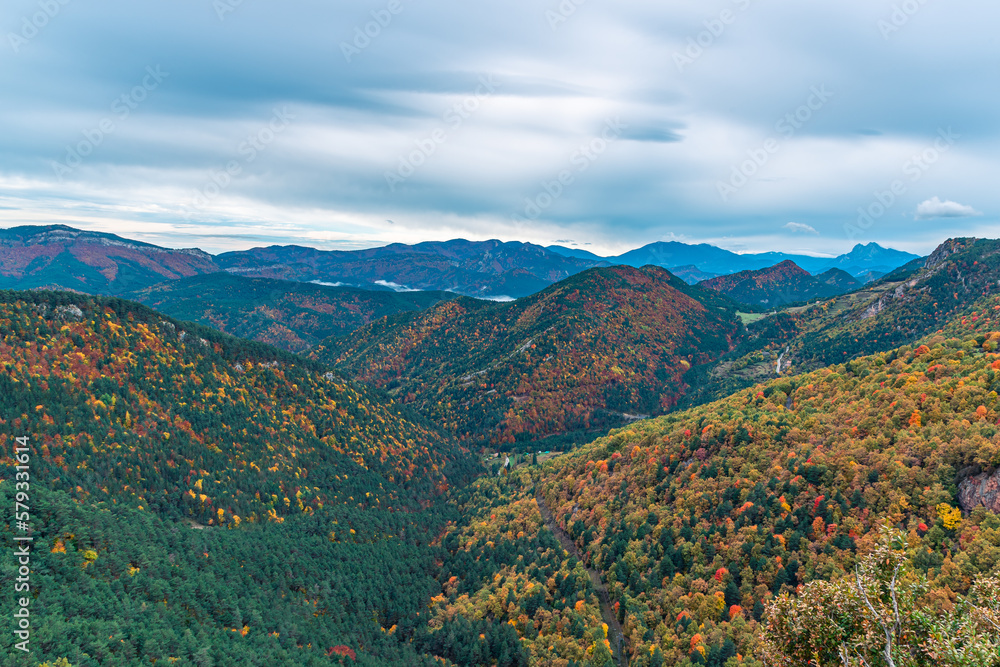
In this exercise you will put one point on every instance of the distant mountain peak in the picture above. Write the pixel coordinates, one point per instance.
(872, 251)
(787, 265)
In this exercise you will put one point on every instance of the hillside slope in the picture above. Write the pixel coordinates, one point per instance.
(292, 316)
(60, 257)
(140, 389)
(143, 429)
(898, 309)
(902, 306)
(839, 280)
(598, 349)
(697, 519)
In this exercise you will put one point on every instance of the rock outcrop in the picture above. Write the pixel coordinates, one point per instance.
(947, 249)
(982, 490)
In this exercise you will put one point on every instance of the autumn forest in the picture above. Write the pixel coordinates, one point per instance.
(621, 468)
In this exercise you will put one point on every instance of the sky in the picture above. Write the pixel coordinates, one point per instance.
(755, 126)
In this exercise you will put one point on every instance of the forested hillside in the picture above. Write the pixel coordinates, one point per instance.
(781, 285)
(601, 348)
(199, 497)
(699, 518)
(116, 393)
(904, 306)
(504, 567)
(291, 315)
(116, 584)
(899, 309)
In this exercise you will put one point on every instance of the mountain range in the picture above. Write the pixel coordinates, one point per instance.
(62, 257)
(614, 344)
(484, 269)
(869, 260)
(660, 342)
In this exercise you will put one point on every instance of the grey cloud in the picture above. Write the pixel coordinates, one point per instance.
(686, 129)
(652, 134)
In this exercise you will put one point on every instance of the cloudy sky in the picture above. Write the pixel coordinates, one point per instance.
(754, 125)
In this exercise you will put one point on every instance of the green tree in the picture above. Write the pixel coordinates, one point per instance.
(600, 651)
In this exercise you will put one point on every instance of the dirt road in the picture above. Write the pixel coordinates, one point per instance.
(615, 634)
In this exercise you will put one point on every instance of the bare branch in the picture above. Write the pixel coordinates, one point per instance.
(878, 619)
(846, 658)
(895, 602)
(985, 616)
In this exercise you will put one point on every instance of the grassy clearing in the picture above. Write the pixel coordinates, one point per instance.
(749, 318)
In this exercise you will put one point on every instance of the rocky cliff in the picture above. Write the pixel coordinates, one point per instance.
(982, 490)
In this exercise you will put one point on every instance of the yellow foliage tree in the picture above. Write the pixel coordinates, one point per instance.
(951, 516)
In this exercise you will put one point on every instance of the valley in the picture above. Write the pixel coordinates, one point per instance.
(683, 462)
(595, 350)
(294, 316)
